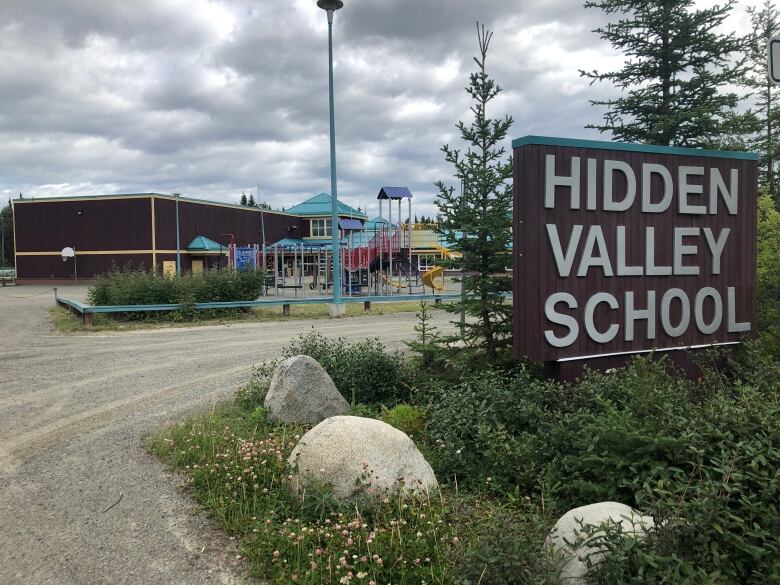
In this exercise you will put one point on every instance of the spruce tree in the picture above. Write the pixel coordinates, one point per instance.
(243, 199)
(766, 24)
(676, 71)
(7, 236)
(474, 219)
(251, 201)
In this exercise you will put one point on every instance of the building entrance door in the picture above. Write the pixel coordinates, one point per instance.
(197, 266)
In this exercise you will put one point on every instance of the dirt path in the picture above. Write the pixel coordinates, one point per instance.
(73, 412)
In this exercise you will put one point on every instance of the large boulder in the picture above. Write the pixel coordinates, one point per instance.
(352, 454)
(576, 546)
(301, 391)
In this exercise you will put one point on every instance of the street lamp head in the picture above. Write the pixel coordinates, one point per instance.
(330, 4)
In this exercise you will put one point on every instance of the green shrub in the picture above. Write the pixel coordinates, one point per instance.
(363, 371)
(137, 287)
(502, 545)
(478, 427)
(768, 271)
(706, 467)
(406, 418)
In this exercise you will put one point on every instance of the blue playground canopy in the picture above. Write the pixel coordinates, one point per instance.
(394, 193)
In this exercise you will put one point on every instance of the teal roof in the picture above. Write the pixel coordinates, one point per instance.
(203, 244)
(626, 146)
(319, 206)
(307, 243)
(374, 224)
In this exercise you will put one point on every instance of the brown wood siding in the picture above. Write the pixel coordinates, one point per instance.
(100, 224)
(211, 221)
(535, 272)
(53, 267)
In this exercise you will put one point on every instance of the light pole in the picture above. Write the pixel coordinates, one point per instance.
(337, 308)
(178, 242)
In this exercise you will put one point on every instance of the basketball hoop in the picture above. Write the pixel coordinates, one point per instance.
(68, 252)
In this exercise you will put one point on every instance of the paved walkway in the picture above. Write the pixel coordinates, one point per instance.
(73, 414)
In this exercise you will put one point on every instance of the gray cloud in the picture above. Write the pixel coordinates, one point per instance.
(209, 97)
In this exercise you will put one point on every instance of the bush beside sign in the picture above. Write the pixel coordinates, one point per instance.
(624, 248)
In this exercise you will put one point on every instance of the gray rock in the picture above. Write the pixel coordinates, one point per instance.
(571, 543)
(351, 454)
(301, 391)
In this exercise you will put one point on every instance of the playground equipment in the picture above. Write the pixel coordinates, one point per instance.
(429, 278)
(376, 256)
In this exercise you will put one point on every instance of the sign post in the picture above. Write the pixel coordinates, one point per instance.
(627, 248)
(773, 57)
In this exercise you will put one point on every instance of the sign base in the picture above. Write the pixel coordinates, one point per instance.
(689, 362)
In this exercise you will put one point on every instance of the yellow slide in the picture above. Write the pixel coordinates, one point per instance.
(428, 277)
(397, 284)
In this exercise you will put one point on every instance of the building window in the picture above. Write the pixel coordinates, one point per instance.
(320, 228)
(426, 261)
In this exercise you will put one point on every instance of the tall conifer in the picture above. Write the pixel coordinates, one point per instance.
(476, 220)
(766, 24)
(673, 82)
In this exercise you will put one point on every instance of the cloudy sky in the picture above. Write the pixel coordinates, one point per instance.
(211, 97)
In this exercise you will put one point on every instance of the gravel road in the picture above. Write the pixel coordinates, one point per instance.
(73, 413)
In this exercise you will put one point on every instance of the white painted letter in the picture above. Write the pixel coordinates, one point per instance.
(686, 189)
(681, 250)
(717, 184)
(716, 246)
(561, 319)
(595, 238)
(650, 268)
(734, 327)
(551, 180)
(648, 206)
(591, 184)
(563, 263)
(633, 314)
(698, 310)
(609, 203)
(622, 269)
(685, 317)
(590, 326)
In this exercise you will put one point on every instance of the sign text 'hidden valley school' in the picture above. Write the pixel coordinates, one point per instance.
(623, 248)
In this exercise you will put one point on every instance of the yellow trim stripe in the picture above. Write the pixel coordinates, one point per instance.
(109, 252)
(154, 238)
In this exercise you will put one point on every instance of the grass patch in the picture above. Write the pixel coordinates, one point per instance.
(512, 453)
(235, 461)
(322, 311)
(66, 321)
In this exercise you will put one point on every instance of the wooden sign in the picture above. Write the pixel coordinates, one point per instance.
(625, 248)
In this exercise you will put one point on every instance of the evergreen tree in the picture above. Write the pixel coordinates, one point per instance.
(480, 213)
(243, 199)
(415, 217)
(766, 24)
(6, 236)
(676, 68)
(251, 201)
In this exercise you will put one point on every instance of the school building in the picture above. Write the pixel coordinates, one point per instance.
(140, 230)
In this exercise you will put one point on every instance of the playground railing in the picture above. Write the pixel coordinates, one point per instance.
(86, 312)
